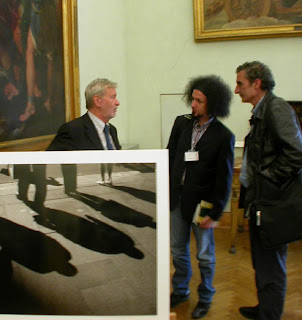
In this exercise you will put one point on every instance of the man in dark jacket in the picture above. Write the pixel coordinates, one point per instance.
(201, 166)
(272, 159)
(92, 131)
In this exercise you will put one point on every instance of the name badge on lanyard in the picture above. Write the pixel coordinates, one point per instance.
(191, 155)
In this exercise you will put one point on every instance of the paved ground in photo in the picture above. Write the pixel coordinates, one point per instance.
(91, 254)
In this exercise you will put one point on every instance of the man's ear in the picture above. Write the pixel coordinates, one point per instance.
(97, 100)
(257, 83)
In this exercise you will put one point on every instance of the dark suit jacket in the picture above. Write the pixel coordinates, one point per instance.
(80, 134)
(209, 178)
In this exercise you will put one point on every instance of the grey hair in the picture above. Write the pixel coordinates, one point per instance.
(258, 70)
(97, 87)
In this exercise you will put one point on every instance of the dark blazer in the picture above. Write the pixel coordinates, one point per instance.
(80, 134)
(209, 178)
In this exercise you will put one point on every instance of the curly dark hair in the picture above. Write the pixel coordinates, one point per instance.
(258, 70)
(218, 93)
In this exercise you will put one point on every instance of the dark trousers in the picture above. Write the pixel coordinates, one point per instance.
(270, 274)
(70, 177)
(35, 174)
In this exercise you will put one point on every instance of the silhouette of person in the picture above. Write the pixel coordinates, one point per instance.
(28, 174)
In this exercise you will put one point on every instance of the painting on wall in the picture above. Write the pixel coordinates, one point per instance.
(38, 72)
(297, 105)
(244, 19)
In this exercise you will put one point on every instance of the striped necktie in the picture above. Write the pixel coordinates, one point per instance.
(107, 136)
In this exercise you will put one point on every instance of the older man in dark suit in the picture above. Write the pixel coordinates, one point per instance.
(92, 131)
(201, 167)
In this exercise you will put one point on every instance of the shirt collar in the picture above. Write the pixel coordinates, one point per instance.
(257, 106)
(97, 120)
(206, 124)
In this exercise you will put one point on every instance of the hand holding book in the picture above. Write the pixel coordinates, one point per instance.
(201, 216)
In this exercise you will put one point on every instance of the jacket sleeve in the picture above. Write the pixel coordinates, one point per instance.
(179, 125)
(63, 141)
(172, 144)
(286, 133)
(224, 175)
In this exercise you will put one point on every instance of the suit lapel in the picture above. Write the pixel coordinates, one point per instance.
(113, 134)
(91, 132)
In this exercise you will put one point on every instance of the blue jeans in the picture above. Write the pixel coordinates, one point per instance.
(180, 249)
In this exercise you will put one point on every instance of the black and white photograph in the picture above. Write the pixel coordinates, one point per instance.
(81, 238)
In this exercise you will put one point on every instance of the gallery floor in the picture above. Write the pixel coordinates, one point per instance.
(235, 280)
(90, 254)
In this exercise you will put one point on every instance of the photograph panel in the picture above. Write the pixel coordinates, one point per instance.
(84, 233)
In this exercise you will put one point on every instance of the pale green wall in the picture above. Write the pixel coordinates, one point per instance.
(103, 51)
(148, 47)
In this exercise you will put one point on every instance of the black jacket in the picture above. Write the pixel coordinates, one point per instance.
(209, 178)
(80, 134)
(274, 151)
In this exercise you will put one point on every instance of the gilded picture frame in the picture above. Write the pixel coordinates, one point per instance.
(245, 19)
(39, 72)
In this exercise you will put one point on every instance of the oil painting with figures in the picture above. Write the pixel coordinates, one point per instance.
(247, 18)
(32, 91)
(228, 14)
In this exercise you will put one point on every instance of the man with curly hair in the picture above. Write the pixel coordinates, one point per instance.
(201, 155)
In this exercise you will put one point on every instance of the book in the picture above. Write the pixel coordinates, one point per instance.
(202, 209)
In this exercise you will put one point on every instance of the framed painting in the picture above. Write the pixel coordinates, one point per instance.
(246, 19)
(39, 78)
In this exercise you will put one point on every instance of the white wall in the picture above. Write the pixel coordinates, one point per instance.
(102, 51)
(148, 47)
